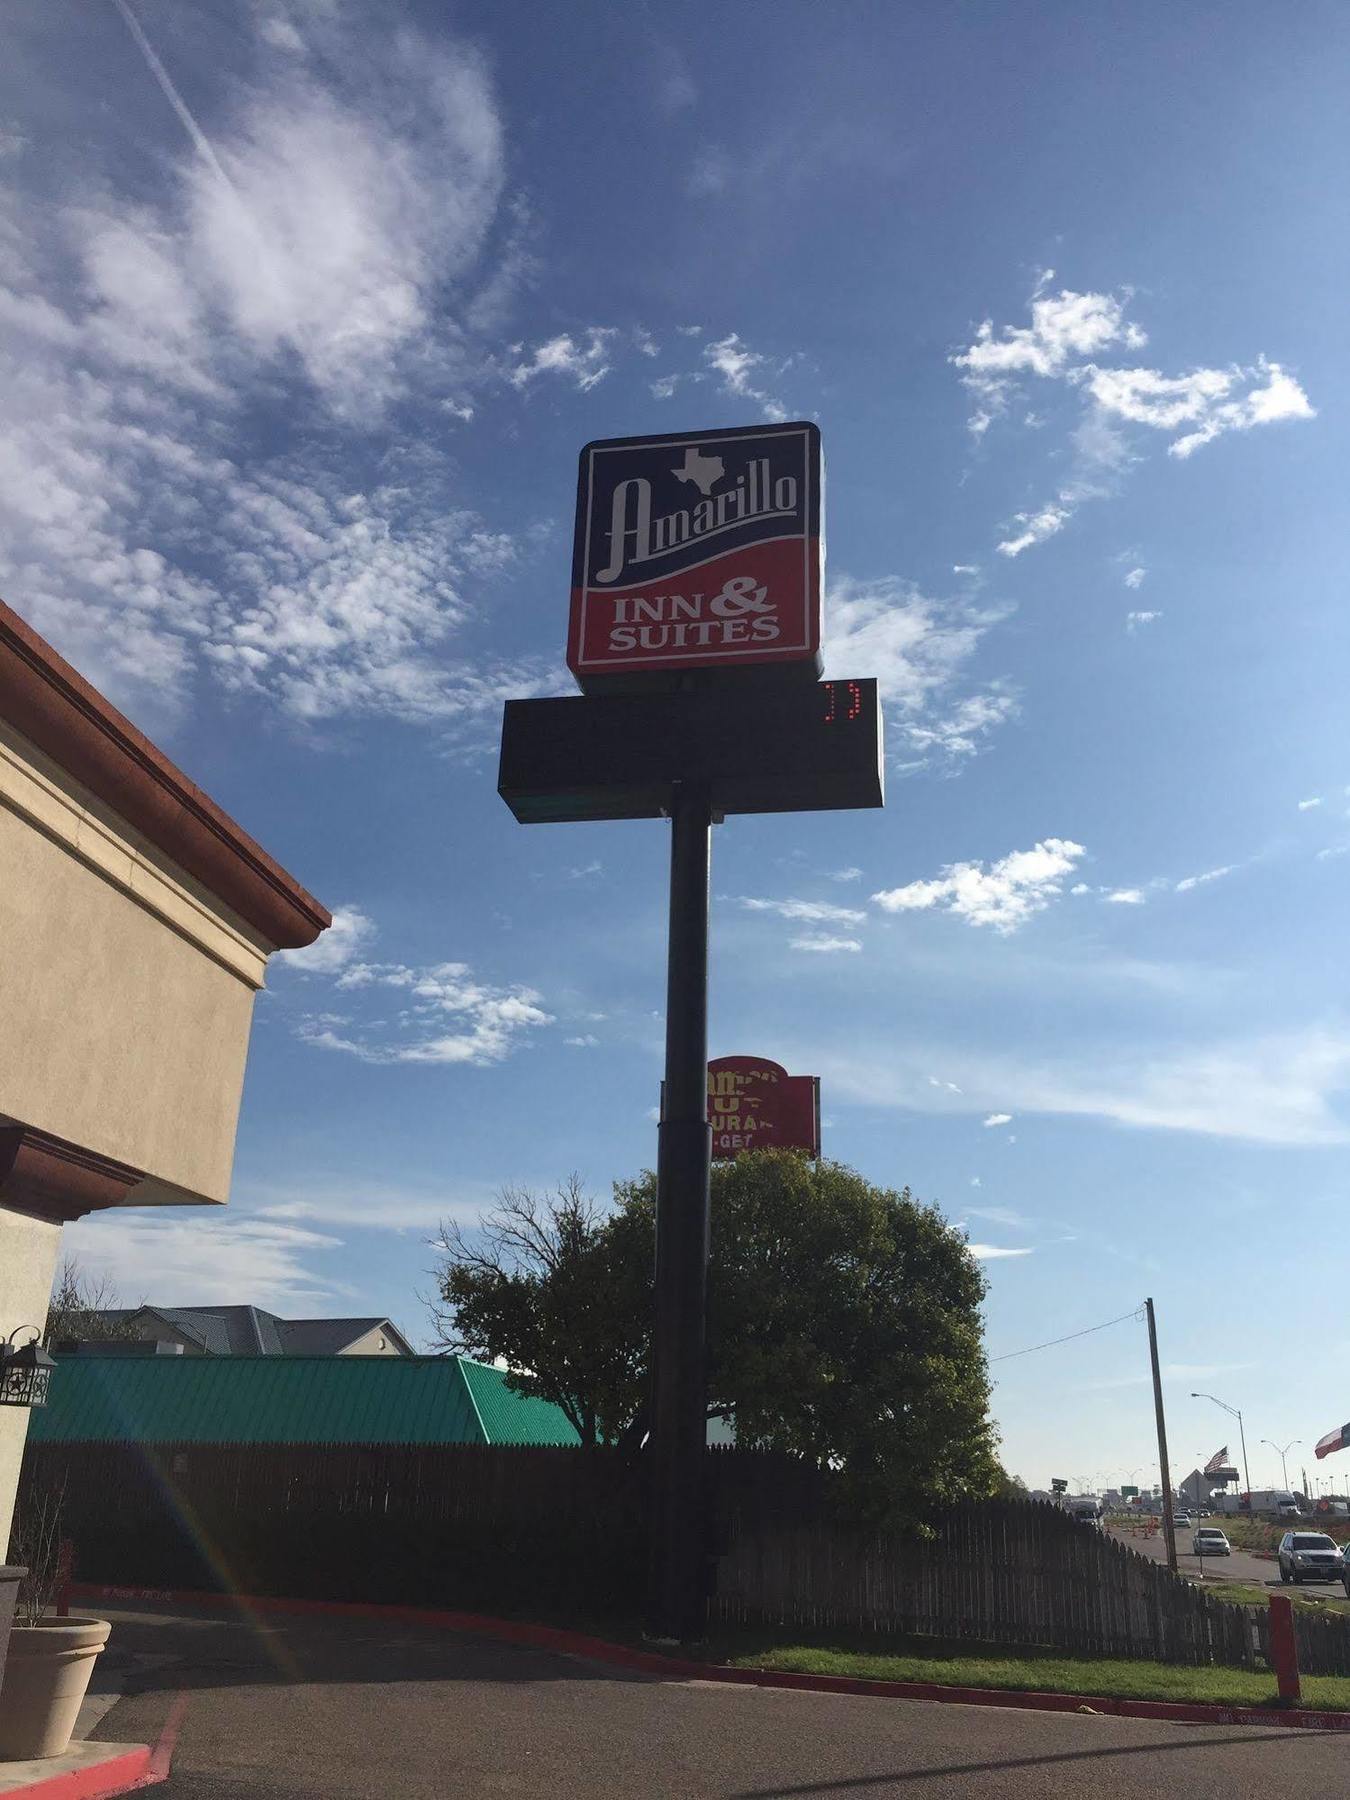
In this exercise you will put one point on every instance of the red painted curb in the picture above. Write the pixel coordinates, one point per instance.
(647, 1662)
(120, 1775)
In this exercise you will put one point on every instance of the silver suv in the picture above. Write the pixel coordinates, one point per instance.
(1310, 1556)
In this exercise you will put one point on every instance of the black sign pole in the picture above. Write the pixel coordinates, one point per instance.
(684, 1158)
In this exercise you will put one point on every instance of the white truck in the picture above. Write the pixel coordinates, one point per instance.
(1277, 1502)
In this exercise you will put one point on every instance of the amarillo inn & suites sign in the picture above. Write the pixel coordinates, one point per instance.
(697, 552)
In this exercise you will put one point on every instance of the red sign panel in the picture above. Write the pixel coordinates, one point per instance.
(754, 1104)
(697, 552)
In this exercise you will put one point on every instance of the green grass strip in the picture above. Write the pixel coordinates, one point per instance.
(1054, 1675)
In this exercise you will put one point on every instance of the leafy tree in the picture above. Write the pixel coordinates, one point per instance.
(844, 1321)
(543, 1284)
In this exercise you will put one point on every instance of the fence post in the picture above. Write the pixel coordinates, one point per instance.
(1284, 1649)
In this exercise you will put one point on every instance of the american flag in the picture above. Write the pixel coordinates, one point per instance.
(1218, 1461)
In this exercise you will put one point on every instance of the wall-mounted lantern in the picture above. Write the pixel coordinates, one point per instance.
(25, 1370)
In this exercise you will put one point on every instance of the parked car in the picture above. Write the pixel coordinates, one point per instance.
(1310, 1556)
(1210, 1541)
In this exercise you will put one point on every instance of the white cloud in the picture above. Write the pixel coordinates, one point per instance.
(1278, 1088)
(917, 648)
(990, 1252)
(1134, 621)
(1209, 400)
(825, 946)
(851, 873)
(1063, 344)
(1195, 881)
(370, 1204)
(975, 1181)
(1037, 527)
(328, 250)
(1065, 327)
(583, 363)
(737, 364)
(1005, 894)
(281, 35)
(815, 912)
(333, 949)
(1000, 1215)
(948, 738)
(441, 1014)
(1125, 897)
(997, 1119)
(1308, 805)
(200, 1257)
(1135, 578)
(587, 1041)
(1068, 331)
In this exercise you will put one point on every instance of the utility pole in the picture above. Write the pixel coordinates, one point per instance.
(1169, 1524)
(683, 1167)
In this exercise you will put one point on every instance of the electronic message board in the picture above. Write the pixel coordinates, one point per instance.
(797, 749)
(697, 552)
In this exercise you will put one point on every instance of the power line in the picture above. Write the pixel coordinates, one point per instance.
(1049, 1343)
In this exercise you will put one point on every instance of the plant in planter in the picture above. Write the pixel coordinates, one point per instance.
(49, 1660)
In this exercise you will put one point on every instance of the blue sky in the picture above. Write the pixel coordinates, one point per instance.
(304, 320)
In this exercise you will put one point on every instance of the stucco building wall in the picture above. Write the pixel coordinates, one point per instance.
(136, 919)
(127, 995)
(28, 1252)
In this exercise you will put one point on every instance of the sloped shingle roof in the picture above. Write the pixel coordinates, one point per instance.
(252, 1331)
(323, 1337)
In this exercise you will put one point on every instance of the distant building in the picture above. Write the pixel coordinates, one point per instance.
(240, 1331)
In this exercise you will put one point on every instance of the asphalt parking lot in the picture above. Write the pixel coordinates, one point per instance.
(330, 1709)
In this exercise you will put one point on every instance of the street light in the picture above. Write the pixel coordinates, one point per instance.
(1282, 1454)
(1241, 1434)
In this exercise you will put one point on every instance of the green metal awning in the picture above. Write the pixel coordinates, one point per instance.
(289, 1400)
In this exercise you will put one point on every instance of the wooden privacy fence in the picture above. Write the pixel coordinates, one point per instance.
(561, 1532)
(997, 1572)
(461, 1526)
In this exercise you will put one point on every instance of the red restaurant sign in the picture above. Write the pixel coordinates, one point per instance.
(754, 1104)
(697, 552)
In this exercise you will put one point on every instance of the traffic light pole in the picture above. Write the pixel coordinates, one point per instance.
(677, 1603)
(1169, 1523)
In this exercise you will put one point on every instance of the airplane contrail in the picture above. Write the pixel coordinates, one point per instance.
(199, 138)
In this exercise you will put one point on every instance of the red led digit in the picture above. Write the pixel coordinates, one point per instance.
(829, 707)
(854, 699)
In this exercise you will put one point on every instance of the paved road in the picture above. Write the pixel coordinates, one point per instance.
(1240, 1566)
(310, 1710)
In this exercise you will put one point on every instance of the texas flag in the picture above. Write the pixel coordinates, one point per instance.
(1334, 1440)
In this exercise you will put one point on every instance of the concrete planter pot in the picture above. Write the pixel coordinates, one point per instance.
(47, 1672)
